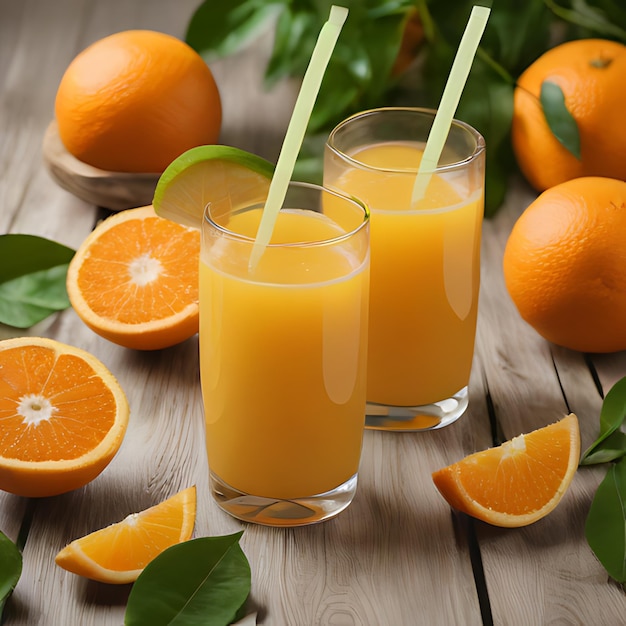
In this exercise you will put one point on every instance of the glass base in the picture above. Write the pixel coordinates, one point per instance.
(274, 512)
(415, 418)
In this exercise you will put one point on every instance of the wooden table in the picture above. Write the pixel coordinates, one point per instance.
(398, 555)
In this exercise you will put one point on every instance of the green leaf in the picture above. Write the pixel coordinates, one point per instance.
(310, 164)
(203, 581)
(25, 254)
(612, 417)
(359, 75)
(27, 300)
(218, 29)
(33, 271)
(605, 528)
(611, 449)
(10, 568)
(517, 33)
(294, 40)
(487, 105)
(496, 183)
(560, 120)
(592, 21)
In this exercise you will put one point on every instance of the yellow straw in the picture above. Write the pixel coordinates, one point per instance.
(297, 127)
(450, 99)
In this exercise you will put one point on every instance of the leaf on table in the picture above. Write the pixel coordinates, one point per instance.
(205, 580)
(605, 528)
(560, 120)
(10, 568)
(610, 449)
(24, 254)
(217, 29)
(612, 417)
(33, 271)
(29, 299)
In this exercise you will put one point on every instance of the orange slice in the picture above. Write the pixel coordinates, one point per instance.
(520, 481)
(118, 553)
(134, 280)
(62, 417)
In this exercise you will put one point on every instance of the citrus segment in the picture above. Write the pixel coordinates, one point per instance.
(134, 280)
(520, 481)
(222, 175)
(135, 100)
(62, 417)
(118, 553)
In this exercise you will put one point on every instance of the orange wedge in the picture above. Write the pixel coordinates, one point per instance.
(118, 553)
(520, 481)
(134, 280)
(62, 417)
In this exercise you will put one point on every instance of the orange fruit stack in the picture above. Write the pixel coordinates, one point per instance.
(517, 483)
(134, 280)
(590, 73)
(118, 553)
(565, 264)
(63, 417)
(135, 100)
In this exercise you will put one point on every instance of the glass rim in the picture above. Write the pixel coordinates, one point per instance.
(207, 219)
(424, 111)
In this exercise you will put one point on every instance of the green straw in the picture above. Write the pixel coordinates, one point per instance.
(297, 127)
(450, 99)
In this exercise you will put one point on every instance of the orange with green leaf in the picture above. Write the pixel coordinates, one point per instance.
(568, 116)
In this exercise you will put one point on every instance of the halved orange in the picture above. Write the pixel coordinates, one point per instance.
(517, 483)
(118, 553)
(62, 417)
(134, 280)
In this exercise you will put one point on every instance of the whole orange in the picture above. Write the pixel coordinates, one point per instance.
(565, 264)
(592, 75)
(135, 100)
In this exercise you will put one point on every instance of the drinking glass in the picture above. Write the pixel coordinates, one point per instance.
(283, 355)
(425, 261)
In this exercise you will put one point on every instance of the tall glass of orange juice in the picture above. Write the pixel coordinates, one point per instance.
(283, 356)
(425, 261)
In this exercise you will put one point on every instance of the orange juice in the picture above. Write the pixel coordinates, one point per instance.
(283, 357)
(424, 274)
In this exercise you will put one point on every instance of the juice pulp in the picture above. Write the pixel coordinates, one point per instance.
(424, 276)
(283, 359)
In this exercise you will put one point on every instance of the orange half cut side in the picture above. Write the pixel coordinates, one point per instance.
(63, 417)
(134, 280)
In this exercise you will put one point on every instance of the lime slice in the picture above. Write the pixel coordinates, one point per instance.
(221, 175)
